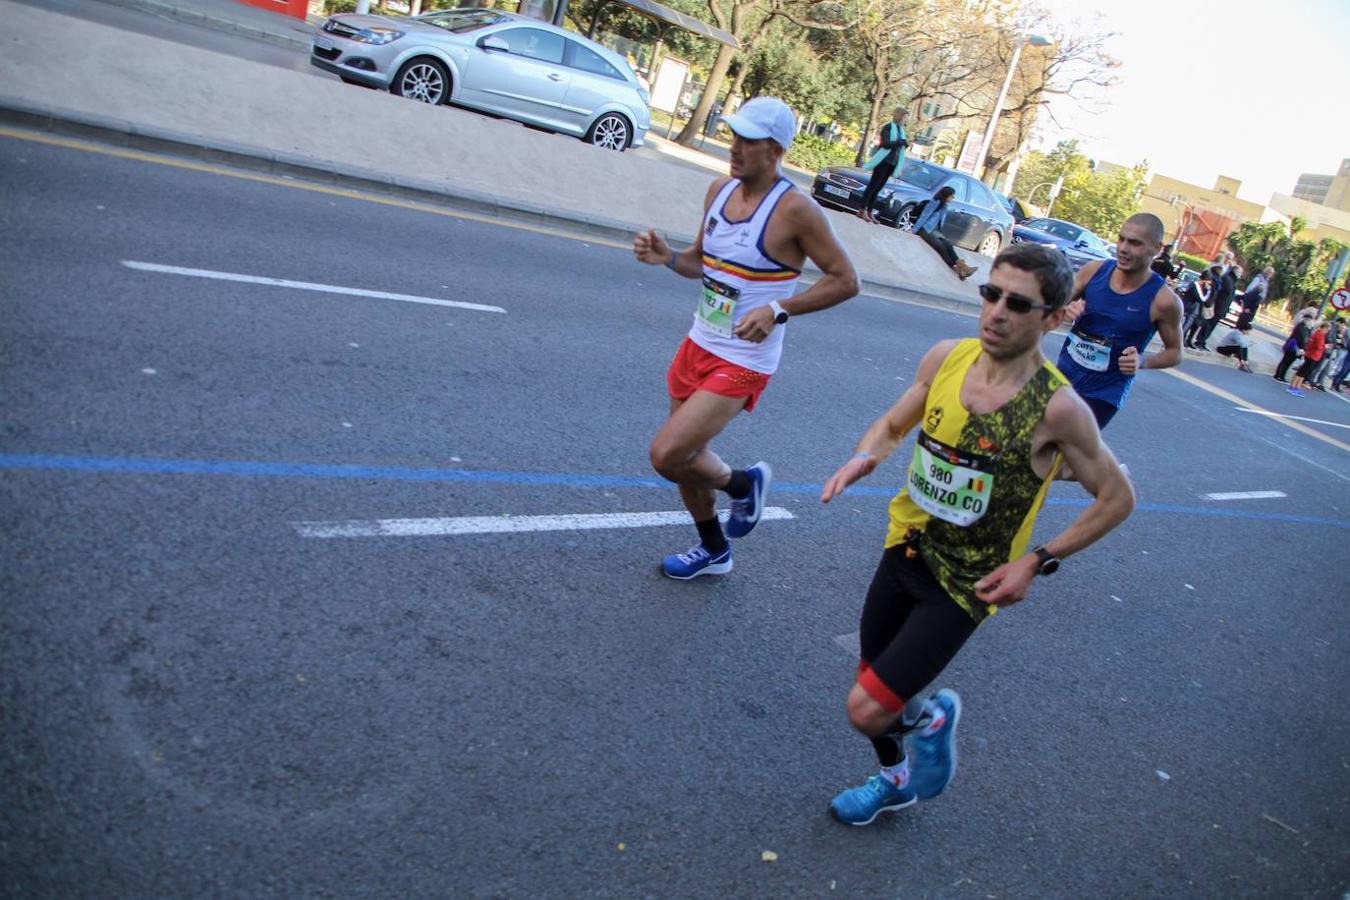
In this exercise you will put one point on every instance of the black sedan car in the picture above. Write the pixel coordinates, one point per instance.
(975, 220)
(1079, 245)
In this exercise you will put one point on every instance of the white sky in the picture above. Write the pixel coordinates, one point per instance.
(1258, 91)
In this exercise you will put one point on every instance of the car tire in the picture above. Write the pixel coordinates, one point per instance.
(611, 132)
(422, 79)
(990, 244)
(904, 219)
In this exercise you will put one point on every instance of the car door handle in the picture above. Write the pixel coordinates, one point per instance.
(554, 77)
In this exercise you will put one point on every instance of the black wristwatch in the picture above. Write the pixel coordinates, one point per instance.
(780, 315)
(1049, 563)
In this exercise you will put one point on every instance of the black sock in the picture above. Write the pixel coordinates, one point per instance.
(888, 750)
(738, 485)
(710, 533)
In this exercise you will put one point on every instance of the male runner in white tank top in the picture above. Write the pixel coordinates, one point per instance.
(757, 231)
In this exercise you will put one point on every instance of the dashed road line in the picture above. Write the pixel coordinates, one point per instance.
(1267, 412)
(305, 286)
(357, 528)
(1246, 495)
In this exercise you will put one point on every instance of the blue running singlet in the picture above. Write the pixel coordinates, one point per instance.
(1110, 322)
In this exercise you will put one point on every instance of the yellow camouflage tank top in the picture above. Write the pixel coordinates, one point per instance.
(970, 496)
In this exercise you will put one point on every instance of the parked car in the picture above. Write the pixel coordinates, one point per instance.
(497, 62)
(975, 219)
(1078, 244)
(1016, 208)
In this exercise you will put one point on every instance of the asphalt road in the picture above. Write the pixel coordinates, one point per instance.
(199, 700)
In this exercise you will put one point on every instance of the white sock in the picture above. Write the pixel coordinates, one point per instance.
(898, 774)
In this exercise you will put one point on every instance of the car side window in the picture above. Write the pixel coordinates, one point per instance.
(982, 196)
(579, 57)
(534, 43)
(962, 191)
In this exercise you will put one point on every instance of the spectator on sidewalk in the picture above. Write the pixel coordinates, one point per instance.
(1163, 265)
(1338, 380)
(929, 227)
(1293, 345)
(1211, 315)
(1312, 355)
(1331, 360)
(1254, 297)
(1235, 344)
(886, 160)
(1195, 304)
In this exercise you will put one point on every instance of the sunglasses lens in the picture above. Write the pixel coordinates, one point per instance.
(1015, 303)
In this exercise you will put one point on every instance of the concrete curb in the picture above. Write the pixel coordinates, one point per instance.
(20, 113)
(219, 23)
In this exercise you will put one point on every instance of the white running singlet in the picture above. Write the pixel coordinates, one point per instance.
(738, 276)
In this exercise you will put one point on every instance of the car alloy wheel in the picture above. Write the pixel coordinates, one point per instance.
(989, 246)
(421, 80)
(611, 132)
(905, 219)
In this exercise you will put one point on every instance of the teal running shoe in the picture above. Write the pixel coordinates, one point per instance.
(862, 804)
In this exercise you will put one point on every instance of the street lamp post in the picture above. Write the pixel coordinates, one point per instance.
(1034, 40)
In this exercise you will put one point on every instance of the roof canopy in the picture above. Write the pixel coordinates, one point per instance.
(664, 14)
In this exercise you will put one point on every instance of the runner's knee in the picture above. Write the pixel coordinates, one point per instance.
(867, 715)
(669, 458)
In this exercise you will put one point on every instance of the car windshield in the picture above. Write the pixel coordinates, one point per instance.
(462, 20)
(1057, 228)
(922, 175)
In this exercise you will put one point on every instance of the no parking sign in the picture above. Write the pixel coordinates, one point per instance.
(1341, 298)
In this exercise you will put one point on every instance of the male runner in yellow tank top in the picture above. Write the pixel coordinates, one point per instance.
(996, 421)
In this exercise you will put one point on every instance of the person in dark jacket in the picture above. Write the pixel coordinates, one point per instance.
(886, 160)
(1296, 341)
(1312, 356)
(928, 226)
(1225, 286)
(1194, 302)
(1163, 264)
(1255, 294)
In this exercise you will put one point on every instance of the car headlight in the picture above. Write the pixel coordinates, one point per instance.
(377, 36)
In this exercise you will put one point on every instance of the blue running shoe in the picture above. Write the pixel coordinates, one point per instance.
(745, 512)
(934, 747)
(861, 805)
(696, 561)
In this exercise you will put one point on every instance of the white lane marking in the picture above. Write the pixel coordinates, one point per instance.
(1266, 412)
(1246, 495)
(305, 286)
(503, 524)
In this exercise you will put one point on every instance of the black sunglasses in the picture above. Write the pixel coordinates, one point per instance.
(1015, 302)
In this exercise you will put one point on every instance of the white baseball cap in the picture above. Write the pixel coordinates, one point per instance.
(764, 117)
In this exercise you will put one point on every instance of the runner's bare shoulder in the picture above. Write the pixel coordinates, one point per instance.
(718, 183)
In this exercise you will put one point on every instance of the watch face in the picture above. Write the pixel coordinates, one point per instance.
(1050, 567)
(781, 318)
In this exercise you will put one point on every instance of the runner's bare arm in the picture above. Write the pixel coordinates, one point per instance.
(886, 433)
(652, 249)
(1069, 426)
(1074, 308)
(805, 221)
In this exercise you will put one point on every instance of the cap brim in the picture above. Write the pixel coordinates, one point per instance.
(745, 128)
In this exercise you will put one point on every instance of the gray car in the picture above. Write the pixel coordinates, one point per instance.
(497, 62)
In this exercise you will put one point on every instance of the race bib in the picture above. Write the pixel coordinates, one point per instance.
(950, 484)
(1089, 351)
(717, 308)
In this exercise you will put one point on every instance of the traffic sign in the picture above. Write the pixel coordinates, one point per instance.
(1341, 298)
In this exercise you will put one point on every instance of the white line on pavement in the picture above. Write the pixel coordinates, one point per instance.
(1266, 412)
(305, 286)
(503, 524)
(1246, 495)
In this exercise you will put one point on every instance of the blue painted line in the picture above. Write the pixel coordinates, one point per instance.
(246, 469)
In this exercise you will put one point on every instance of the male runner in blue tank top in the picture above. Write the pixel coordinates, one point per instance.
(756, 232)
(1118, 305)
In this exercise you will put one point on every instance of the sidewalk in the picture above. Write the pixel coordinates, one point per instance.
(64, 74)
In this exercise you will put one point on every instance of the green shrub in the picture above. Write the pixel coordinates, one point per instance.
(1192, 262)
(815, 153)
(333, 7)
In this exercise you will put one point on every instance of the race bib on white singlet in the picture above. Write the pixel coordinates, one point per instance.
(950, 484)
(717, 307)
(1089, 351)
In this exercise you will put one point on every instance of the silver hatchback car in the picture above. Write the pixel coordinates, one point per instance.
(498, 62)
